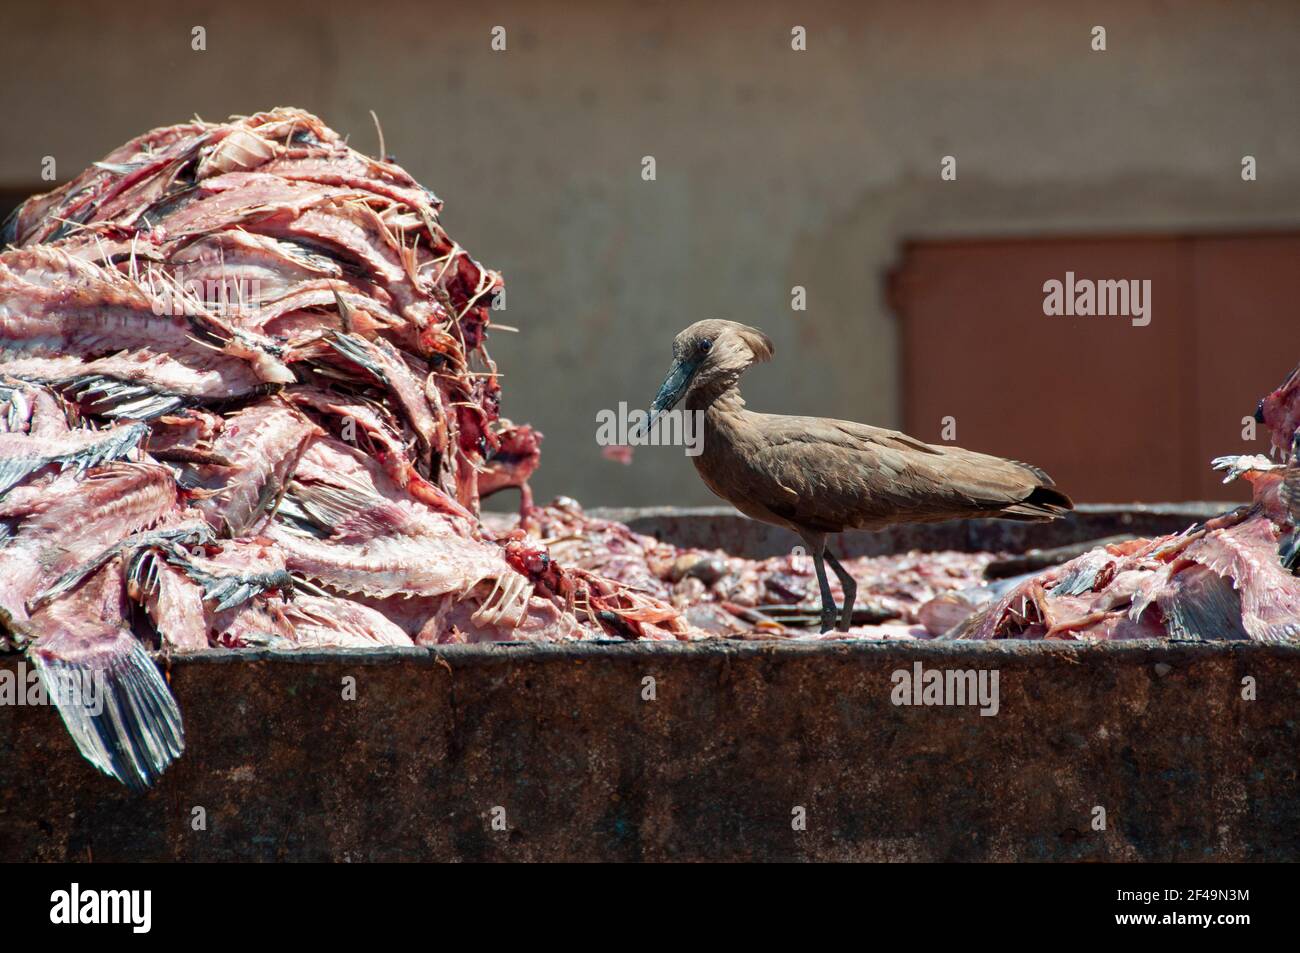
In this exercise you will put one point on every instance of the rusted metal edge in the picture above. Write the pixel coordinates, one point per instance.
(1193, 509)
(721, 527)
(561, 738)
(991, 650)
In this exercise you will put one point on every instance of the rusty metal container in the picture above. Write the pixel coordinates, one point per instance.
(547, 752)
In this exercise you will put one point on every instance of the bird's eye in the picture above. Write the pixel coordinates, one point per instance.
(705, 345)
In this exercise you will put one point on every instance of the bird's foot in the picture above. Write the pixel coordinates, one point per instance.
(829, 615)
(846, 617)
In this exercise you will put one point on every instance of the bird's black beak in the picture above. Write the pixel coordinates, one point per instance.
(673, 389)
(1259, 412)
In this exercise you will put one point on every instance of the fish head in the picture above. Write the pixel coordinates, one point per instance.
(1280, 412)
(709, 356)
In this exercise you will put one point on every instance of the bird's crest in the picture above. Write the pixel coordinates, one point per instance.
(717, 331)
(758, 342)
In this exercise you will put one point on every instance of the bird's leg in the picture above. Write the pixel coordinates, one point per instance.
(817, 543)
(850, 587)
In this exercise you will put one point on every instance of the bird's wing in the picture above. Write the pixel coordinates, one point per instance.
(835, 474)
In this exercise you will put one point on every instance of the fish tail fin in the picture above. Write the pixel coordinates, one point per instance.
(116, 706)
(1204, 606)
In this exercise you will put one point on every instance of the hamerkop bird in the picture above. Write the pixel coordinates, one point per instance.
(818, 476)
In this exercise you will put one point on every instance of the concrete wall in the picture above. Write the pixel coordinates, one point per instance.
(775, 168)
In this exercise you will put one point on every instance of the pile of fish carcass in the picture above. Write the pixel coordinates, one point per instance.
(729, 596)
(1231, 577)
(245, 400)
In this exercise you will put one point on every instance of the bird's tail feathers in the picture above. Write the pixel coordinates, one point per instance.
(1042, 504)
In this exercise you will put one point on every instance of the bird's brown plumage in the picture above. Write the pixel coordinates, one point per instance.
(832, 475)
(819, 476)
